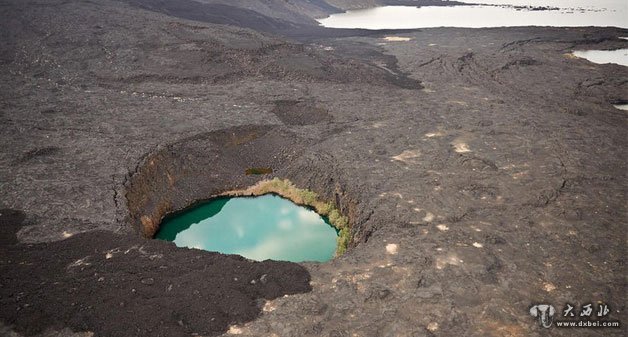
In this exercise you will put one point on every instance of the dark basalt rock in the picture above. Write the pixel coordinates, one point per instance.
(120, 285)
(483, 170)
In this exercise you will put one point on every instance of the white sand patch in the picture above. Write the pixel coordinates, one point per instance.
(234, 330)
(549, 287)
(392, 248)
(433, 326)
(461, 147)
(269, 306)
(397, 39)
(442, 227)
(428, 217)
(407, 156)
(434, 134)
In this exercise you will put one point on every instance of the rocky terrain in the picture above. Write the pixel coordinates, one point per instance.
(483, 170)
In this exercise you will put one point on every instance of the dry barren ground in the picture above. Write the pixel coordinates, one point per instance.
(483, 171)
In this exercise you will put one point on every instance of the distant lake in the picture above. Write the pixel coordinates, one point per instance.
(504, 13)
(618, 56)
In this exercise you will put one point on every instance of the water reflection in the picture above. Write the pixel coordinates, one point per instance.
(260, 228)
(569, 14)
(618, 56)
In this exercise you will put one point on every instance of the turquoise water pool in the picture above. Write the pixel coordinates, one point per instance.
(258, 228)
